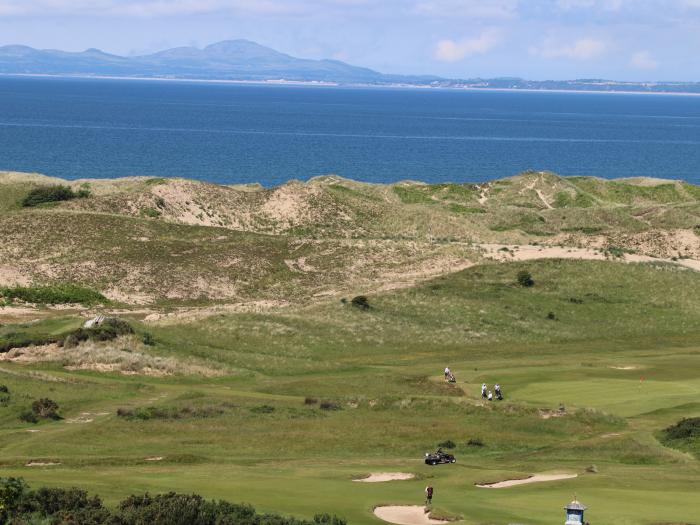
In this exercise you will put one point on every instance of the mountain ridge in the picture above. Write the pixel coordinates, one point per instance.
(244, 60)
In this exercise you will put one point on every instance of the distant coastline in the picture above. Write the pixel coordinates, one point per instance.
(321, 83)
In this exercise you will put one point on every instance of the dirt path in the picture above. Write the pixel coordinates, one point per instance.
(378, 477)
(405, 515)
(537, 478)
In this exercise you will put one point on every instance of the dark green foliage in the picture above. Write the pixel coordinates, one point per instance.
(361, 302)
(19, 505)
(524, 279)
(447, 444)
(107, 330)
(148, 339)
(45, 408)
(160, 202)
(475, 442)
(55, 294)
(686, 428)
(28, 417)
(44, 194)
(551, 316)
(329, 405)
(310, 401)
(166, 413)
(4, 389)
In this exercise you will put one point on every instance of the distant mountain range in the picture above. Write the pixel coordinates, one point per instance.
(243, 60)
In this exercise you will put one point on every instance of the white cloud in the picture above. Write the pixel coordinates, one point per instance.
(454, 51)
(643, 60)
(582, 49)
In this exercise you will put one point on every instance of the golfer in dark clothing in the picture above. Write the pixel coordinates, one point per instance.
(428, 495)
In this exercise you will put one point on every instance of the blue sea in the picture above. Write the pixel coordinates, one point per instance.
(227, 133)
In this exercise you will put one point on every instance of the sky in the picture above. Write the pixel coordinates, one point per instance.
(641, 40)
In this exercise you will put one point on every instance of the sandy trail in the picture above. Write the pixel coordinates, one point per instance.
(537, 478)
(405, 515)
(378, 477)
(526, 252)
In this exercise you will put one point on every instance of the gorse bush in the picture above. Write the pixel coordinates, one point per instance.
(54, 294)
(21, 505)
(360, 302)
(524, 279)
(107, 330)
(686, 428)
(45, 408)
(44, 194)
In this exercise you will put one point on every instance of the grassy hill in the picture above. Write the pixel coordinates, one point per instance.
(248, 374)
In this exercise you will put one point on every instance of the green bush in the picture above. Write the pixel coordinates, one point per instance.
(44, 194)
(53, 294)
(108, 330)
(28, 416)
(45, 408)
(360, 302)
(19, 504)
(524, 279)
(686, 428)
(447, 444)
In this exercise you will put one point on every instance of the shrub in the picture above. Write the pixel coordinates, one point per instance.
(310, 401)
(148, 339)
(524, 278)
(686, 428)
(447, 444)
(54, 294)
(4, 389)
(28, 417)
(44, 194)
(551, 316)
(20, 505)
(475, 442)
(107, 330)
(45, 408)
(360, 302)
(329, 405)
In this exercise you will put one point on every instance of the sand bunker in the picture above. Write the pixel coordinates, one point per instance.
(154, 458)
(630, 367)
(532, 479)
(377, 477)
(41, 464)
(405, 515)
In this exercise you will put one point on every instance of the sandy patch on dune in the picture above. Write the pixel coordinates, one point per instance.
(377, 477)
(12, 277)
(405, 515)
(504, 252)
(537, 478)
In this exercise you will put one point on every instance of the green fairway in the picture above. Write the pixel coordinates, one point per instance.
(307, 398)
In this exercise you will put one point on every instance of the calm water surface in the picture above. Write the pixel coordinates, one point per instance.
(243, 133)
